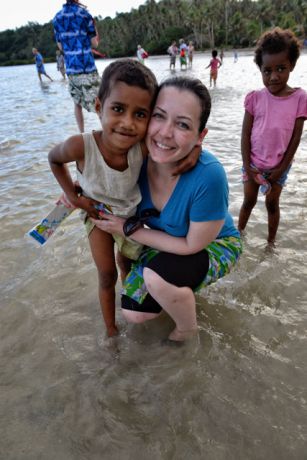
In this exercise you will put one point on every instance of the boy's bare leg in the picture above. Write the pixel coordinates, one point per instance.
(124, 265)
(79, 117)
(102, 247)
(272, 205)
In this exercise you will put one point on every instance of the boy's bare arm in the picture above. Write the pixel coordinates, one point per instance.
(189, 161)
(72, 150)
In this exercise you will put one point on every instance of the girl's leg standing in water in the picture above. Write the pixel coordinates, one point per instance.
(272, 206)
(251, 189)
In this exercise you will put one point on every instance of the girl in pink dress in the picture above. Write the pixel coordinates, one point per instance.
(272, 126)
(214, 64)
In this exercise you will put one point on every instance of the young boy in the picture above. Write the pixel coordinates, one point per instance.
(39, 62)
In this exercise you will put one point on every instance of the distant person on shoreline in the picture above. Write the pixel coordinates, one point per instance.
(39, 62)
(191, 50)
(60, 63)
(222, 55)
(141, 54)
(183, 49)
(235, 55)
(272, 126)
(172, 51)
(214, 64)
(75, 34)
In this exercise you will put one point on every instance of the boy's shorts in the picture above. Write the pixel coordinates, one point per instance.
(41, 69)
(84, 88)
(265, 173)
(126, 246)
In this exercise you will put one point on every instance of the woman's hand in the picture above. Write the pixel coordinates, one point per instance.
(110, 223)
(188, 162)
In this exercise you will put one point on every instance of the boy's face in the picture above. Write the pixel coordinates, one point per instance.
(124, 116)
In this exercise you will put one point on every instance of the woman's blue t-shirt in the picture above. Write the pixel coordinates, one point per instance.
(200, 195)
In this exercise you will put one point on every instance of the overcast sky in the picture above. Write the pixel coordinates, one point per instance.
(18, 14)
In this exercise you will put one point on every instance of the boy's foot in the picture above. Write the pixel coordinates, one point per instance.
(180, 336)
(112, 331)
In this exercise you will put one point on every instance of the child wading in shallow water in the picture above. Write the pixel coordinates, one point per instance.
(272, 126)
(214, 65)
(108, 166)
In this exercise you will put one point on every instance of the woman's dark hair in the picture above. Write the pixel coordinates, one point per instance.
(214, 53)
(128, 71)
(196, 87)
(276, 41)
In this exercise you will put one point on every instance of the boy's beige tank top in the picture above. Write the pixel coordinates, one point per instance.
(119, 189)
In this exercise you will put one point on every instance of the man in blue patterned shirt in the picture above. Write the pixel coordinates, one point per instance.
(76, 34)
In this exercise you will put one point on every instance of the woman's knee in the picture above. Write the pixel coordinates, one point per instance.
(152, 280)
(137, 317)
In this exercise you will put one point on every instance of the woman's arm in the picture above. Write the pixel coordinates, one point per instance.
(200, 234)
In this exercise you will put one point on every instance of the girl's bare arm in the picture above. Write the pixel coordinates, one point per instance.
(290, 152)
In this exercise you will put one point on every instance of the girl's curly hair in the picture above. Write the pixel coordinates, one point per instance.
(276, 41)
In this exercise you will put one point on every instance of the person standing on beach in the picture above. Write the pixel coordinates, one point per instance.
(183, 48)
(222, 55)
(141, 54)
(191, 50)
(60, 63)
(172, 51)
(76, 34)
(214, 64)
(272, 126)
(39, 62)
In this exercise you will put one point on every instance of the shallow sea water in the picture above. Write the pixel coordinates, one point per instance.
(68, 393)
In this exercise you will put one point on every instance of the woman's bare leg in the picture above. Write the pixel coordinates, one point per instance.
(178, 302)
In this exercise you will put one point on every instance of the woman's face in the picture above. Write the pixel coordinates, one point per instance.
(173, 130)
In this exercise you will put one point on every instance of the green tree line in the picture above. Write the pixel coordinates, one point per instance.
(208, 23)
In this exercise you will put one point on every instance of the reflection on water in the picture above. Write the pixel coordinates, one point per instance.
(238, 392)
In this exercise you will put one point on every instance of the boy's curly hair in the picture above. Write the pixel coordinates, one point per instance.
(275, 41)
(128, 71)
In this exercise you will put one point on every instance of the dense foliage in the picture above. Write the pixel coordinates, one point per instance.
(209, 23)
